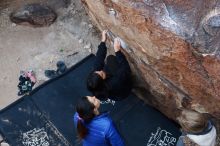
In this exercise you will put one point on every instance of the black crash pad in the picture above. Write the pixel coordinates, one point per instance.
(44, 118)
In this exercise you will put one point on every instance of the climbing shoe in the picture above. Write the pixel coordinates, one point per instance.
(61, 67)
(50, 73)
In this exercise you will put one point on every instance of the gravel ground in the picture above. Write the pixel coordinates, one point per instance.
(71, 38)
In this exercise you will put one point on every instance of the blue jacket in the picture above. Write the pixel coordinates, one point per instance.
(102, 132)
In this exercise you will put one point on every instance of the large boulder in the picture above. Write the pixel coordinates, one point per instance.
(34, 14)
(174, 49)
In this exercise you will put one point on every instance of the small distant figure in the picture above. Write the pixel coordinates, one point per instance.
(110, 79)
(197, 130)
(95, 128)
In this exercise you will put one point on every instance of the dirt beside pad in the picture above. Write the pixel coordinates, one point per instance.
(70, 39)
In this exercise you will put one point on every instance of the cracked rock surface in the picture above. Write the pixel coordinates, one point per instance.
(173, 48)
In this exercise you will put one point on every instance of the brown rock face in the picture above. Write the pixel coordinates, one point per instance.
(174, 49)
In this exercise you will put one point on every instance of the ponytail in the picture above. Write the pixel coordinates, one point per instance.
(81, 129)
(85, 111)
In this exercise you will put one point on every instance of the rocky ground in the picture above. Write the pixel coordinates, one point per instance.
(71, 38)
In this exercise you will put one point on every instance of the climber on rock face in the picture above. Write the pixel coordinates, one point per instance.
(110, 79)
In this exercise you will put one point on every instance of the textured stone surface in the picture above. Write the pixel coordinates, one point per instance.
(34, 14)
(174, 49)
